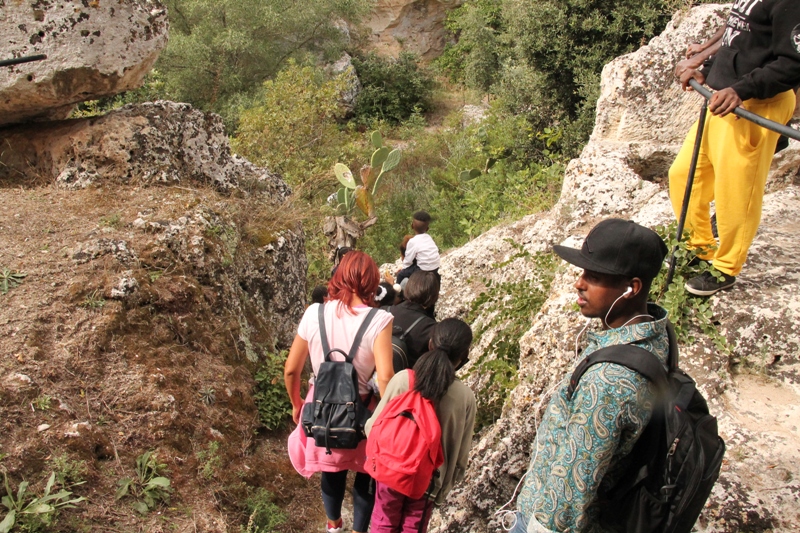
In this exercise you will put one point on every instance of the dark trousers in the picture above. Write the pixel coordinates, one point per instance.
(333, 489)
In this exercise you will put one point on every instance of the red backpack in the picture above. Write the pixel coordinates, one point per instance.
(404, 448)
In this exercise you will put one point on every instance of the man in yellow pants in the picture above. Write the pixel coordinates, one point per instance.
(757, 66)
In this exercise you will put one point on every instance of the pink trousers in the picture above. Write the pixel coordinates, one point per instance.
(396, 513)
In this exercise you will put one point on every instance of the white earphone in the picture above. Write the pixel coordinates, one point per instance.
(628, 291)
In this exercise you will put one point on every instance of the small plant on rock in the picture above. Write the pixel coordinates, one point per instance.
(42, 403)
(10, 279)
(209, 459)
(93, 300)
(149, 487)
(32, 512)
(68, 472)
(270, 396)
(685, 310)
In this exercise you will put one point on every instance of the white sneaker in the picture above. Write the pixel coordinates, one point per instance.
(339, 529)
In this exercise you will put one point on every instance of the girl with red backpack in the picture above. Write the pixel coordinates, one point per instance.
(434, 379)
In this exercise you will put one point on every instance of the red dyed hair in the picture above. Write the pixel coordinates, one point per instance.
(357, 275)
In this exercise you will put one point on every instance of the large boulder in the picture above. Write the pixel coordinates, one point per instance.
(157, 142)
(94, 49)
(642, 118)
(411, 25)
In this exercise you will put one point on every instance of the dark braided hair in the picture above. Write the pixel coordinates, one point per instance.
(435, 370)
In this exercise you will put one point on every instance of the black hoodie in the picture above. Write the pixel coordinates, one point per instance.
(760, 53)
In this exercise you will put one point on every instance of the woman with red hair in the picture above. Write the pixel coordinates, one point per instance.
(351, 295)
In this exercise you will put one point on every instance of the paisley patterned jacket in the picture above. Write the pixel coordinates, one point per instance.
(581, 444)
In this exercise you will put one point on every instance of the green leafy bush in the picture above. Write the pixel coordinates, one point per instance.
(428, 178)
(272, 401)
(392, 89)
(148, 487)
(686, 311)
(542, 59)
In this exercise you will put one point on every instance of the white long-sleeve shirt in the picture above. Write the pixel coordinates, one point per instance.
(422, 248)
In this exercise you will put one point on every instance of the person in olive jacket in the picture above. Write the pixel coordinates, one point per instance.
(421, 293)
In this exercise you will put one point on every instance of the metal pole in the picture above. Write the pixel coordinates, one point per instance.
(18, 60)
(752, 117)
(701, 126)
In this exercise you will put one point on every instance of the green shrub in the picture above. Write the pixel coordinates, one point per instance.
(508, 308)
(428, 178)
(263, 515)
(686, 311)
(391, 89)
(272, 401)
(291, 126)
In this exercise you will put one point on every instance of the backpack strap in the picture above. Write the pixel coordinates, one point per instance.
(630, 356)
(411, 379)
(672, 359)
(406, 332)
(323, 337)
(360, 334)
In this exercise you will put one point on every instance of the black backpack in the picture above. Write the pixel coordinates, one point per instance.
(675, 462)
(400, 346)
(336, 417)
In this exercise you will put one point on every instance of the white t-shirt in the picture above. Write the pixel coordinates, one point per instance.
(341, 327)
(422, 248)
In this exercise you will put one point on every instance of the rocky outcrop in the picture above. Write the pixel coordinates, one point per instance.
(153, 143)
(94, 49)
(622, 172)
(161, 273)
(410, 25)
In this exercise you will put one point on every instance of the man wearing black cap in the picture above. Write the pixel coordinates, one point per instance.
(583, 441)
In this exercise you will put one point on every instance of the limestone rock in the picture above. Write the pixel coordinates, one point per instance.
(157, 142)
(348, 98)
(622, 172)
(412, 25)
(94, 49)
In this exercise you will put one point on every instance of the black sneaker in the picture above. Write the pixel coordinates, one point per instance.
(707, 283)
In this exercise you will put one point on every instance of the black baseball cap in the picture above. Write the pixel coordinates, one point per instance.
(618, 247)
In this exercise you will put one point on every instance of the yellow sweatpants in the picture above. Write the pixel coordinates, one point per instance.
(732, 167)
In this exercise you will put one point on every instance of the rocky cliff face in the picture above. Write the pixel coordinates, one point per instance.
(642, 119)
(149, 279)
(93, 49)
(412, 25)
(160, 272)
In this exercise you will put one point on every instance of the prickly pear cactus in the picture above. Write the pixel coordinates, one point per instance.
(362, 195)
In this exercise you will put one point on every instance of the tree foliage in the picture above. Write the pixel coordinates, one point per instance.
(291, 126)
(221, 51)
(392, 89)
(543, 58)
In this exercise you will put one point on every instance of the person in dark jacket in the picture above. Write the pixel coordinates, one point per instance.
(756, 67)
(421, 293)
